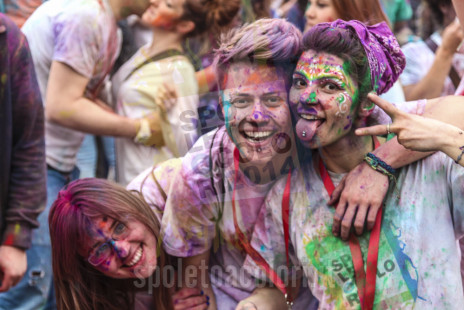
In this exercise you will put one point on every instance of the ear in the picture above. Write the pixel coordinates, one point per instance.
(185, 26)
(365, 109)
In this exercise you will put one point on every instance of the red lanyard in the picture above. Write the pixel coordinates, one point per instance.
(365, 281)
(257, 258)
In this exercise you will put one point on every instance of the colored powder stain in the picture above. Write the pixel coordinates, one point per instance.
(4, 76)
(321, 253)
(312, 97)
(17, 229)
(263, 248)
(349, 123)
(407, 268)
(9, 240)
(327, 69)
(341, 99)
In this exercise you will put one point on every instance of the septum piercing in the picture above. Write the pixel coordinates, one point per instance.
(303, 133)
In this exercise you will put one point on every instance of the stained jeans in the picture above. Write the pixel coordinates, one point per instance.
(35, 291)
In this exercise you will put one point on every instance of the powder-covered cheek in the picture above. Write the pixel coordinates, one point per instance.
(343, 101)
(294, 96)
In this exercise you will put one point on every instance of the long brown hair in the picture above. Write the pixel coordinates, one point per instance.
(210, 15)
(367, 11)
(78, 285)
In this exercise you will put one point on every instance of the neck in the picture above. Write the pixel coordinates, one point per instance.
(164, 40)
(271, 170)
(345, 154)
(120, 9)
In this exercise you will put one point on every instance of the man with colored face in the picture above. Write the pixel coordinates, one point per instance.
(216, 194)
(257, 117)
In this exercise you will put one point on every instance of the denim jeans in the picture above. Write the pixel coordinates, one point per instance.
(35, 291)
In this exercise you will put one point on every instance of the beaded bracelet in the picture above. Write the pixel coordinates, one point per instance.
(460, 155)
(379, 165)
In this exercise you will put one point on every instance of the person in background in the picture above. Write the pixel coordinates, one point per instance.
(73, 45)
(22, 155)
(399, 13)
(138, 85)
(434, 67)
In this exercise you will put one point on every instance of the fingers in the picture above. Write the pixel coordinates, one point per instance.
(376, 130)
(170, 96)
(190, 298)
(187, 292)
(360, 219)
(372, 216)
(338, 217)
(348, 221)
(337, 192)
(6, 282)
(199, 302)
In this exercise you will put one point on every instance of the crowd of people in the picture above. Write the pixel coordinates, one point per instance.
(292, 154)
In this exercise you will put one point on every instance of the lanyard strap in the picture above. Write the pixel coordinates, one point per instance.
(157, 57)
(365, 281)
(257, 258)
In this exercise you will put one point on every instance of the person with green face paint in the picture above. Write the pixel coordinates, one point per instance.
(410, 259)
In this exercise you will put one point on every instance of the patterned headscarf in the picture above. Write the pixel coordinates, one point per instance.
(386, 60)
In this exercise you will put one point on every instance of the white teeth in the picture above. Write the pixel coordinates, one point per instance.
(309, 117)
(258, 134)
(136, 257)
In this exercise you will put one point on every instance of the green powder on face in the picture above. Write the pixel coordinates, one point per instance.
(312, 97)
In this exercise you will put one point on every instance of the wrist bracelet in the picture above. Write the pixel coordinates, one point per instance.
(144, 132)
(460, 155)
(379, 165)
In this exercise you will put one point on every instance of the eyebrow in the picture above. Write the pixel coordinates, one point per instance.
(274, 93)
(323, 75)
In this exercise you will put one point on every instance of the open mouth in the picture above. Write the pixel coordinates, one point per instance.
(257, 136)
(311, 117)
(136, 257)
(307, 126)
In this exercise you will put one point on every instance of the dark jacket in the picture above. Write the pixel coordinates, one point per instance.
(22, 145)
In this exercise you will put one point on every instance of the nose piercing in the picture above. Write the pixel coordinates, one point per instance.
(303, 133)
(259, 150)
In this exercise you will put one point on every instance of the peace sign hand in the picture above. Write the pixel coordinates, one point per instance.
(414, 132)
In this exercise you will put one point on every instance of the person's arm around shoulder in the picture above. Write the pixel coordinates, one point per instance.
(360, 194)
(421, 133)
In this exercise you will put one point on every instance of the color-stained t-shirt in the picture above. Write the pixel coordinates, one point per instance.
(198, 217)
(418, 261)
(136, 95)
(83, 35)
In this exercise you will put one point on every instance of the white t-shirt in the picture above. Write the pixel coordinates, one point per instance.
(83, 35)
(419, 60)
(136, 96)
(419, 263)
